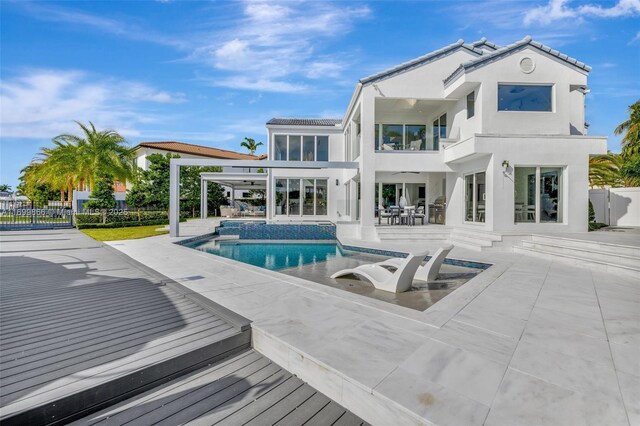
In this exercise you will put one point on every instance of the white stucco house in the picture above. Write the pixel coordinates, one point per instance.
(498, 133)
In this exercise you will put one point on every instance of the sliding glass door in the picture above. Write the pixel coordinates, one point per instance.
(475, 197)
(538, 194)
(301, 197)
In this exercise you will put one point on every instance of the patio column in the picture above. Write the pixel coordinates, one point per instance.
(174, 200)
(367, 165)
(204, 202)
(233, 196)
(380, 205)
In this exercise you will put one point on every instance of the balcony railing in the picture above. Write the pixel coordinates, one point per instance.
(420, 145)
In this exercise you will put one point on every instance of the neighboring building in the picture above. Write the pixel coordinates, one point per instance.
(498, 133)
(186, 150)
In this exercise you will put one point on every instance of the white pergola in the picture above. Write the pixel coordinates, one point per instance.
(176, 163)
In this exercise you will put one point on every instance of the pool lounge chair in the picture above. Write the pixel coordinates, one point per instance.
(383, 279)
(428, 272)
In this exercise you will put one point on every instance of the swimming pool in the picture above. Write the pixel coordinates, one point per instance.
(272, 255)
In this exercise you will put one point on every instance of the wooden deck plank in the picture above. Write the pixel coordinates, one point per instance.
(328, 415)
(349, 419)
(276, 411)
(305, 411)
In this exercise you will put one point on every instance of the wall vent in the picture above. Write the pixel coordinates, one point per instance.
(527, 65)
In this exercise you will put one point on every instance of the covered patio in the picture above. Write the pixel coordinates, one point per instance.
(235, 181)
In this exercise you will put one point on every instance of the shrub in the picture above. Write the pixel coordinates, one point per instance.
(592, 213)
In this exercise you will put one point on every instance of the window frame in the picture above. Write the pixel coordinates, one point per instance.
(302, 136)
(301, 197)
(552, 86)
(471, 112)
(538, 196)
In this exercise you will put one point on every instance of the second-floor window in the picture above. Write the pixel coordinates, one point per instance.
(471, 104)
(300, 148)
(525, 97)
(439, 130)
(401, 137)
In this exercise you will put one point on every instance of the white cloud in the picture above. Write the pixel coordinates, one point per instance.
(559, 10)
(43, 103)
(636, 38)
(273, 43)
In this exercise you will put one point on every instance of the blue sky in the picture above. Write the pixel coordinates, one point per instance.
(212, 73)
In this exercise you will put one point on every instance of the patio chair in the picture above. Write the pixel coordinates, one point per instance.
(428, 272)
(419, 214)
(396, 282)
(386, 214)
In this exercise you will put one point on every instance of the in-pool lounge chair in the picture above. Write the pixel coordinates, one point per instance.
(428, 272)
(383, 279)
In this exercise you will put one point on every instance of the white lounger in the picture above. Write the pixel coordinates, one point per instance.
(428, 272)
(383, 279)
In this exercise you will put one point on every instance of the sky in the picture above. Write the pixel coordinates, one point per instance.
(212, 73)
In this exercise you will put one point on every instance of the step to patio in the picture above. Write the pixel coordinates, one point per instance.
(245, 388)
(602, 247)
(413, 233)
(474, 239)
(592, 255)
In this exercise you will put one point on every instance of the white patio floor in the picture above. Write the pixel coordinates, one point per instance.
(527, 342)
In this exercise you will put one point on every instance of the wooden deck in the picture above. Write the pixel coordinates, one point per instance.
(83, 327)
(247, 389)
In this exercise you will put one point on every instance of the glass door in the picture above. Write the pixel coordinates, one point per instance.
(475, 197)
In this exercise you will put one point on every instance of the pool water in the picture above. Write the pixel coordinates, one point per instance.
(273, 256)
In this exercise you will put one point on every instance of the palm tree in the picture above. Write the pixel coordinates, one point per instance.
(608, 170)
(99, 152)
(631, 129)
(250, 144)
(5, 188)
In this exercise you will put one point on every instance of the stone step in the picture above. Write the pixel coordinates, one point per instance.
(457, 239)
(480, 235)
(601, 247)
(586, 252)
(598, 265)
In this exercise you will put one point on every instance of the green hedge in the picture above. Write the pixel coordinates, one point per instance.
(132, 216)
(121, 224)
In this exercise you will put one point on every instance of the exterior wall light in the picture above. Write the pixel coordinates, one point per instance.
(337, 182)
(505, 164)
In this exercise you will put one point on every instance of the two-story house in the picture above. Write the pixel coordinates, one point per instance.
(485, 137)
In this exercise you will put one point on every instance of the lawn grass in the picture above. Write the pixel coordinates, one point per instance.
(129, 233)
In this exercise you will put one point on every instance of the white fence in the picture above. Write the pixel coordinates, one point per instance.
(616, 206)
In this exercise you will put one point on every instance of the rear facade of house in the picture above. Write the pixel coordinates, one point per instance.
(485, 137)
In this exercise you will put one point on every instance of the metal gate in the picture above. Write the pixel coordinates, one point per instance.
(25, 218)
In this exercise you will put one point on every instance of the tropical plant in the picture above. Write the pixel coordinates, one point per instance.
(5, 188)
(631, 129)
(102, 197)
(611, 170)
(251, 145)
(29, 186)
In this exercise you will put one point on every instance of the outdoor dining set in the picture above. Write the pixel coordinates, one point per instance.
(406, 215)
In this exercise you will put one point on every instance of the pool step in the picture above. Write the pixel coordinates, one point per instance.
(473, 239)
(594, 255)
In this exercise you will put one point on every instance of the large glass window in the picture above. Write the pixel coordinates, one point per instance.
(439, 131)
(306, 197)
(475, 197)
(309, 197)
(551, 194)
(294, 148)
(301, 148)
(294, 197)
(280, 147)
(323, 148)
(399, 137)
(391, 137)
(308, 148)
(518, 97)
(415, 136)
(538, 194)
(321, 197)
(281, 196)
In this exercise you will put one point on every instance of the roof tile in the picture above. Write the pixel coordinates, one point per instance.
(329, 122)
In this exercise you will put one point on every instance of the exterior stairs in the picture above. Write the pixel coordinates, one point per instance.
(425, 233)
(600, 256)
(476, 240)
